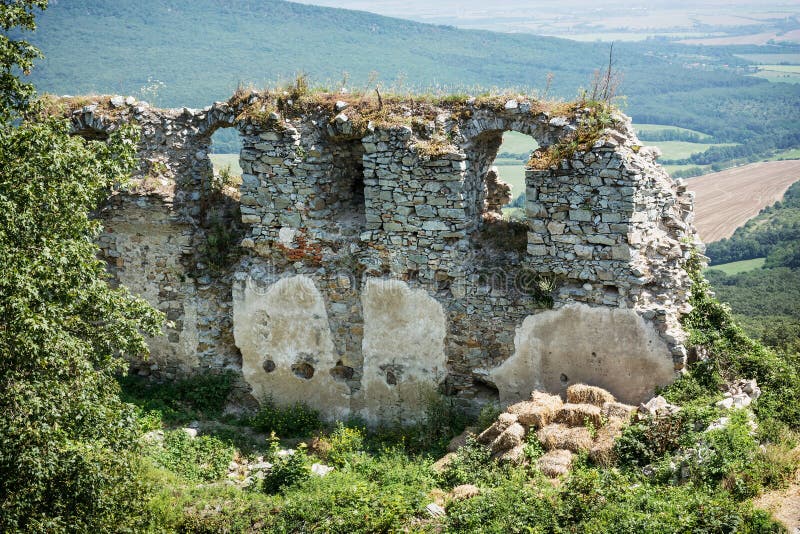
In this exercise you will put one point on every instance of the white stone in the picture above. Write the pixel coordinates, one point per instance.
(321, 469)
(435, 510)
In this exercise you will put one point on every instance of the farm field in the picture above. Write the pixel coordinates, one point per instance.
(779, 73)
(725, 200)
(736, 267)
(792, 153)
(517, 143)
(763, 38)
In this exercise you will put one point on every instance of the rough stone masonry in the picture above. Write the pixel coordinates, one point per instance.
(359, 266)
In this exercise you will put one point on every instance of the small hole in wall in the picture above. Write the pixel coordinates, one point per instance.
(485, 390)
(342, 372)
(303, 370)
(564, 379)
(269, 366)
(391, 379)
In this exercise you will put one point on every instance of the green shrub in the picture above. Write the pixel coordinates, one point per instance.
(488, 415)
(200, 396)
(513, 506)
(287, 470)
(621, 504)
(199, 459)
(381, 493)
(472, 464)
(294, 420)
(734, 355)
(443, 420)
(346, 445)
(533, 448)
(646, 441)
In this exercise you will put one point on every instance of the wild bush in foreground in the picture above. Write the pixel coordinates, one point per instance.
(67, 444)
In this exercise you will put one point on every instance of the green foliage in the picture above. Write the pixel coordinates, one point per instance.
(221, 242)
(764, 302)
(379, 494)
(735, 355)
(602, 501)
(287, 470)
(645, 441)
(294, 420)
(513, 506)
(488, 415)
(784, 255)
(443, 420)
(199, 459)
(16, 55)
(533, 448)
(201, 396)
(472, 464)
(346, 445)
(67, 443)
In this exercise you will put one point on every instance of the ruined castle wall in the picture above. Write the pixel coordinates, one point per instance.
(369, 275)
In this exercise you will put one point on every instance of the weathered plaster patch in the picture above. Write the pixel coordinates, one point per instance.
(403, 347)
(608, 347)
(287, 352)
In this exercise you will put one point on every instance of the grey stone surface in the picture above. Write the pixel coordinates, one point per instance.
(341, 202)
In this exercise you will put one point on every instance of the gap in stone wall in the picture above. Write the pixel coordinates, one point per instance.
(347, 195)
(498, 176)
(223, 151)
(91, 134)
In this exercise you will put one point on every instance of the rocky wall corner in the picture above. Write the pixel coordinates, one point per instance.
(368, 268)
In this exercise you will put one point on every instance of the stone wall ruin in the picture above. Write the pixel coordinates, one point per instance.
(364, 270)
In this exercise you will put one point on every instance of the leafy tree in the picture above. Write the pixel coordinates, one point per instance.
(16, 55)
(67, 443)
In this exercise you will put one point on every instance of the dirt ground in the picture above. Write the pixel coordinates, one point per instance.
(726, 200)
(784, 505)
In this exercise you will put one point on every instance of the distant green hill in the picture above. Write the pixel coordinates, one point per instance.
(202, 49)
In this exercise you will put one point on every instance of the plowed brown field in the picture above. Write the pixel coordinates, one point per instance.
(726, 200)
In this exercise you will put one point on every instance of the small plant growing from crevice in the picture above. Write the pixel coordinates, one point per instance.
(541, 286)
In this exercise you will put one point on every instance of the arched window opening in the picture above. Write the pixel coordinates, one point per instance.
(495, 190)
(224, 155)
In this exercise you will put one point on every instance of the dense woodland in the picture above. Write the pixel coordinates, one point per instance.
(86, 448)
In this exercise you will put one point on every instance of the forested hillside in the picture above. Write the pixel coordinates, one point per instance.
(182, 52)
(766, 300)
